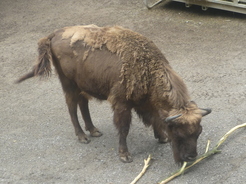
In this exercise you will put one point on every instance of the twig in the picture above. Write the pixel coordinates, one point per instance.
(208, 144)
(179, 172)
(205, 155)
(146, 165)
(229, 133)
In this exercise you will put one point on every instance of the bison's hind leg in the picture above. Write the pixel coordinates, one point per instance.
(73, 99)
(83, 104)
(72, 104)
(72, 93)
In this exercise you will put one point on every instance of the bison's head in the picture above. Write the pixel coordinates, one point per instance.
(183, 128)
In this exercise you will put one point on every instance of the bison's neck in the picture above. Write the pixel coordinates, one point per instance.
(178, 96)
(170, 89)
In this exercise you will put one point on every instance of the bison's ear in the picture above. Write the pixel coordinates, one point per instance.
(205, 112)
(163, 114)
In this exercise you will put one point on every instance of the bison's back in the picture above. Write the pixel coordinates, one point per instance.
(95, 71)
(106, 56)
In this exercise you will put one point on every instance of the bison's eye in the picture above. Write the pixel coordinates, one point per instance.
(197, 133)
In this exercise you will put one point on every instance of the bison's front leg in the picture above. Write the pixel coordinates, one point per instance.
(159, 132)
(122, 120)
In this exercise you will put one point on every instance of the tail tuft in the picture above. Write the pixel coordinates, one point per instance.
(43, 67)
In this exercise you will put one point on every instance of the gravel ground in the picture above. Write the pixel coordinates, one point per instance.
(37, 140)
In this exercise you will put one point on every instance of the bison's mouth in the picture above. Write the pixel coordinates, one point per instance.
(180, 161)
(188, 157)
(181, 158)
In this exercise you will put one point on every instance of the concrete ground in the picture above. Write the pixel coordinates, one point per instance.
(37, 140)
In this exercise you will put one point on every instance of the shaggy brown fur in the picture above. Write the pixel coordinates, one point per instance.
(128, 70)
(143, 63)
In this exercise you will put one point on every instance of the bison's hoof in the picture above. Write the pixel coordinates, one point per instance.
(163, 140)
(96, 133)
(126, 158)
(84, 139)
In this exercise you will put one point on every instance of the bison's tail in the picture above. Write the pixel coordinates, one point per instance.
(43, 67)
(24, 77)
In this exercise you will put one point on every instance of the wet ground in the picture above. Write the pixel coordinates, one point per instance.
(37, 140)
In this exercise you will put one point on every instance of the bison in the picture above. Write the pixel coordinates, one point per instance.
(128, 70)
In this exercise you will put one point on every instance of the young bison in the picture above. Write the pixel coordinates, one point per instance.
(128, 70)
